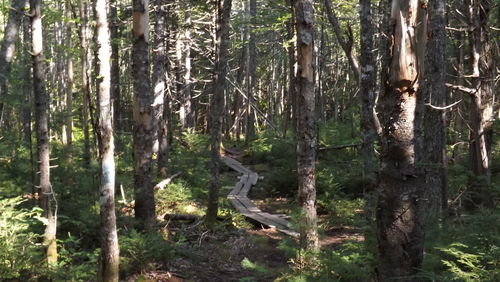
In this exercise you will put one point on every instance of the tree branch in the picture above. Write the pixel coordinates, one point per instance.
(461, 88)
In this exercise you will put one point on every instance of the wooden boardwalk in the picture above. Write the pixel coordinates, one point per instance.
(239, 198)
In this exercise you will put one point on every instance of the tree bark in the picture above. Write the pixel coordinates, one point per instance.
(159, 80)
(400, 211)
(69, 87)
(8, 48)
(143, 127)
(481, 111)
(435, 93)
(83, 32)
(47, 196)
(306, 124)
(367, 89)
(252, 75)
(217, 103)
(109, 256)
(187, 109)
(115, 72)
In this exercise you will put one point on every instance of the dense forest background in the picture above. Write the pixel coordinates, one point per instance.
(362, 151)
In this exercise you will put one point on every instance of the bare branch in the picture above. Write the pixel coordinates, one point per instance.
(445, 107)
(461, 88)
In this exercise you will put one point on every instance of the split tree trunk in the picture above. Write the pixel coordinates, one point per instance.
(47, 197)
(400, 211)
(217, 103)
(306, 124)
(143, 127)
(8, 48)
(109, 256)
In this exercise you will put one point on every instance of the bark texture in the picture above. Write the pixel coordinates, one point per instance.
(143, 126)
(8, 47)
(435, 120)
(83, 32)
(115, 71)
(367, 89)
(252, 74)
(159, 82)
(400, 210)
(481, 111)
(306, 124)
(47, 197)
(109, 256)
(69, 86)
(217, 103)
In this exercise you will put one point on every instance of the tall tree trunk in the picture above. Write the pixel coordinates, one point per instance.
(252, 74)
(400, 211)
(109, 256)
(367, 89)
(69, 87)
(159, 80)
(217, 105)
(115, 72)
(47, 196)
(306, 124)
(187, 111)
(435, 120)
(481, 111)
(83, 32)
(345, 39)
(7, 50)
(143, 127)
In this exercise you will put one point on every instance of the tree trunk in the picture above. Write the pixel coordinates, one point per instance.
(115, 72)
(85, 82)
(217, 105)
(345, 39)
(306, 124)
(435, 93)
(187, 111)
(143, 127)
(159, 80)
(400, 211)
(109, 256)
(47, 196)
(481, 111)
(69, 87)
(252, 75)
(367, 89)
(8, 48)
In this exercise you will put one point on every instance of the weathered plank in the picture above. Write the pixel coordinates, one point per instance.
(238, 198)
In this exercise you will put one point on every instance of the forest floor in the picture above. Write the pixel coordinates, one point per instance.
(252, 253)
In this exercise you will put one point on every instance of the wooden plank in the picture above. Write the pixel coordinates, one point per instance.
(237, 188)
(246, 188)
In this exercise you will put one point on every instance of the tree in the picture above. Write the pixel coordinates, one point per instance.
(7, 50)
(109, 256)
(306, 125)
(252, 76)
(46, 195)
(159, 80)
(217, 104)
(435, 121)
(69, 86)
(481, 110)
(400, 210)
(368, 117)
(143, 127)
